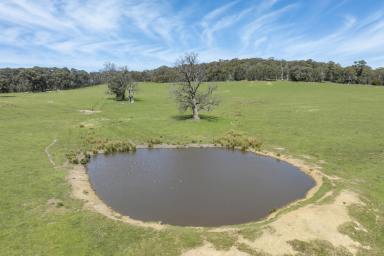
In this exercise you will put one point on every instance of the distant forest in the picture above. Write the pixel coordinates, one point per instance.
(272, 70)
(39, 79)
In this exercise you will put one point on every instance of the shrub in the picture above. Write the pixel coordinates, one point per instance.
(72, 157)
(376, 82)
(105, 146)
(152, 142)
(234, 140)
(113, 146)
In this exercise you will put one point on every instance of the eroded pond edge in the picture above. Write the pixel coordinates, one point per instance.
(82, 188)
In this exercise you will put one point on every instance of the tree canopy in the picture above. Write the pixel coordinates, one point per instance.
(119, 81)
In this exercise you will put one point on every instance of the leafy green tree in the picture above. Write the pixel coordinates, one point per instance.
(301, 73)
(119, 81)
(363, 72)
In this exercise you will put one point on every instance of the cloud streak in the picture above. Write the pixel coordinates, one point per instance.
(149, 33)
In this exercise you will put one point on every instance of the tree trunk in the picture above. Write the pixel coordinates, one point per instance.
(195, 112)
(121, 97)
(130, 96)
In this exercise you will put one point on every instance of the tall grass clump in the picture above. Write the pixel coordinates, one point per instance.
(100, 146)
(234, 140)
(152, 142)
(108, 147)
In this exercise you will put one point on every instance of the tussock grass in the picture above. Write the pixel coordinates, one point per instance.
(234, 140)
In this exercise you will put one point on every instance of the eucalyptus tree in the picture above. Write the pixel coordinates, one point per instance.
(119, 81)
(189, 93)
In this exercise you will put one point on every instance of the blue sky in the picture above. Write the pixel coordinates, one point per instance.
(148, 33)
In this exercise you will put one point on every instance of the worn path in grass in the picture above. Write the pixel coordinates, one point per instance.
(336, 127)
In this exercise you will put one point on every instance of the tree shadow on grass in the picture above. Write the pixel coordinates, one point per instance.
(126, 100)
(138, 99)
(208, 118)
(7, 96)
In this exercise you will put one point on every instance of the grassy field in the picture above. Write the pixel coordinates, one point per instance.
(339, 126)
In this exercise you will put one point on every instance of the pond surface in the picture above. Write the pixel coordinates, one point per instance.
(195, 186)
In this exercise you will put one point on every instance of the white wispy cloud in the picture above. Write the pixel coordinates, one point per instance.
(210, 27)
(356, 38)
(147, 33)
(262, 24)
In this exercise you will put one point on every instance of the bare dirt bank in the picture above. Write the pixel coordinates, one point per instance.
(81, 189)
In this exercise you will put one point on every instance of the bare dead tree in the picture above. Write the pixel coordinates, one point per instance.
(131, 88)
(188, 93)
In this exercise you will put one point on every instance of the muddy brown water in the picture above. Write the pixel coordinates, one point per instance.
(195, 186)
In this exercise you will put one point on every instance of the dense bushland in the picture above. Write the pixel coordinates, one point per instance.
(38, 79)
(255, 69)
(272, 69)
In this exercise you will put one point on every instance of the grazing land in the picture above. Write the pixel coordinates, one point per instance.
(339, 128)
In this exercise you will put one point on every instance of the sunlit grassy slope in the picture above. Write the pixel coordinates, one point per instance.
(341, 125)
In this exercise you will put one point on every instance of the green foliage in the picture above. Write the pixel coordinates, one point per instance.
(257, 69)
(39, 79)
(72, 157)
(80, 157)
(115, 146)
(152, 142)
(119, 80)
(234, 139)
(118, 83)
(99, 146)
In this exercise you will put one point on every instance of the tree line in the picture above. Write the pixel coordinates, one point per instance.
(39, 79)
(272, 69)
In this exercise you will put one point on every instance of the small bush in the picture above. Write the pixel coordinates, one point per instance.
(72, 158)
(234, 140)
(154, 141)
(113, 146)
(105, 146)
(376, 82)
